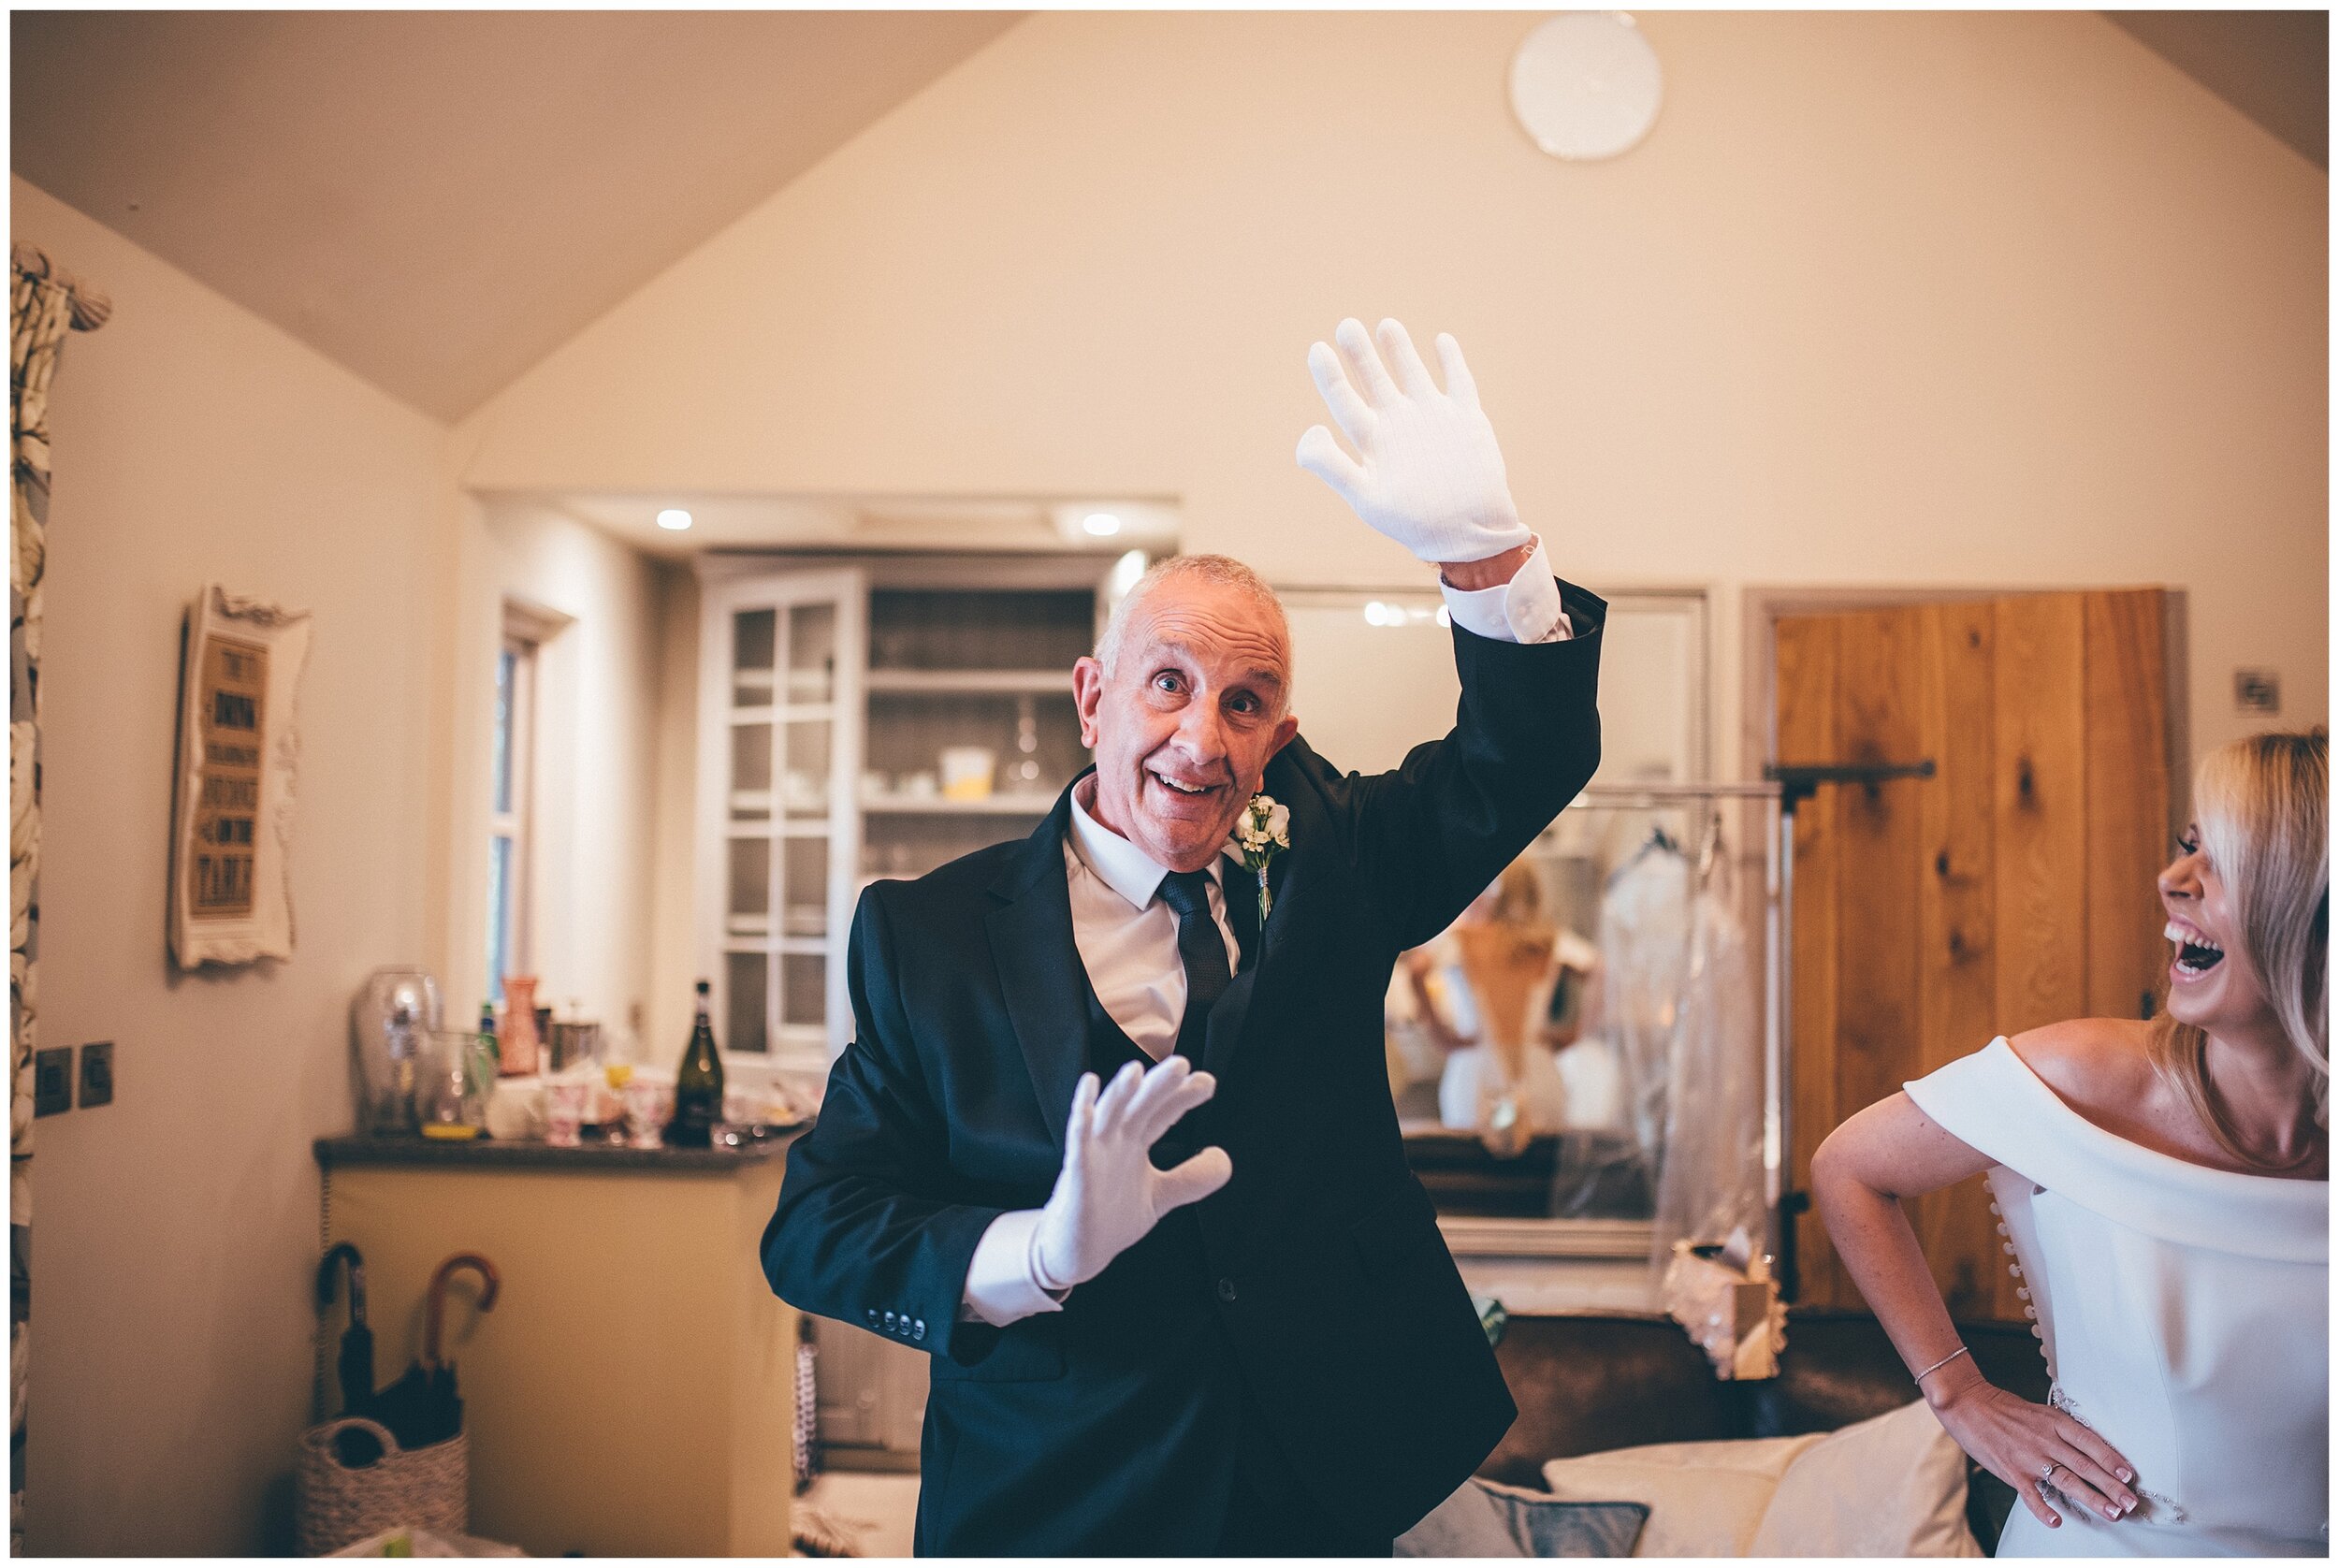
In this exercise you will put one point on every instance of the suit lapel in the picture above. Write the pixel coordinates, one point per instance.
(1240, 887)
(1232, 1011)
(1039, 968)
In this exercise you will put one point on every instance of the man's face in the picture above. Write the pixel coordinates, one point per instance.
(1183, 726)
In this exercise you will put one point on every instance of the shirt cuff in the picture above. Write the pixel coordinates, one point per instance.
(1526, 609)
(1000, 1287)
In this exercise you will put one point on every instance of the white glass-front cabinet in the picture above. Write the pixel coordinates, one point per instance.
(862, 722)
(780, 666)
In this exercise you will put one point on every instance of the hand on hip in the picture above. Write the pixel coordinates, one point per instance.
(1108, 1194)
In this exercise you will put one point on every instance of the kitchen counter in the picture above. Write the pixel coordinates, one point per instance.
(633, 1391)
(503, 1154)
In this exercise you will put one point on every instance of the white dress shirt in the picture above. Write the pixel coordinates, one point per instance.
(1128, 938)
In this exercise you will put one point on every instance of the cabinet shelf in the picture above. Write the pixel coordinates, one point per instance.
(991, 806)
(1053, 682)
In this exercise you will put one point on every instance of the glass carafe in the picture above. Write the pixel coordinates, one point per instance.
(389, 1023)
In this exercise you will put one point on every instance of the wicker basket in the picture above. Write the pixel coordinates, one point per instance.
(337, 1504)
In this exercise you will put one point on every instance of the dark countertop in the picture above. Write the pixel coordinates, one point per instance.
(496, 1153)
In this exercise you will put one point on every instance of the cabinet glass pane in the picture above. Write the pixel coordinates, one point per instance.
(804, 911)
(744, 979)
(804, 786)
(1034, 740)
(753, 634)
(751, 773)
(811, 653)
(980, 629)
(803, 988)
(750, 910)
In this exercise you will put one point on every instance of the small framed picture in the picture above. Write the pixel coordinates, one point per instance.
(232, 794)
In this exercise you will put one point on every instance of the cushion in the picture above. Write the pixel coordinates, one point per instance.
(1703, 1498)
(1485, 1519)
(1892, 1485)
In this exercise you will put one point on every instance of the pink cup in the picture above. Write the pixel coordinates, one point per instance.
(564, 1114)
(648, 1106)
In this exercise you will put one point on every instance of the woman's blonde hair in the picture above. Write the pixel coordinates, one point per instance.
(2261, 804)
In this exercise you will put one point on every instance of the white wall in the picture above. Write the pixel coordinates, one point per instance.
(598, 757)
(1975, 299)
(175, 1232)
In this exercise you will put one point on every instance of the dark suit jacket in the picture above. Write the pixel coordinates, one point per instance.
(1350, 1330)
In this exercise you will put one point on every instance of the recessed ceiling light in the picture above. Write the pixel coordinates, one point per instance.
(1102, 524)
(674, 519)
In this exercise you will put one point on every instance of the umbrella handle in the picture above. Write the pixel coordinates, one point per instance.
(343, 1253)
(434, 1315)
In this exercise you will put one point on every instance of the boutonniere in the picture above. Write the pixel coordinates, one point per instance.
(1260, 834)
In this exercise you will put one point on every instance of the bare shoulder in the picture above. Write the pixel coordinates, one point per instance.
(2091, 1063)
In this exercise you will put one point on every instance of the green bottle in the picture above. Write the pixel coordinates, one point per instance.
(698, 1087)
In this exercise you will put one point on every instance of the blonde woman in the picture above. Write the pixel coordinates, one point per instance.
(2165, 1190)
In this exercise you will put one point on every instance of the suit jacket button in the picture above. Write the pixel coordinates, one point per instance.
(918, 1329)
(889, 1320)
(1225, 1290)
(873, 1317)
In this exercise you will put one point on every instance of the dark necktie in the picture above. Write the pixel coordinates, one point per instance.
(1203, 951)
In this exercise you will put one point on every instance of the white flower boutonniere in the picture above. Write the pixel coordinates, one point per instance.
(1260, 834)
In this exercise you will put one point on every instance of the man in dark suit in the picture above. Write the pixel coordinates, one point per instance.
(1114, 1139)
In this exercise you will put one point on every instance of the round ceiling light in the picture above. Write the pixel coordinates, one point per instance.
(674, 519)
(1586, 85)
(1104, 525)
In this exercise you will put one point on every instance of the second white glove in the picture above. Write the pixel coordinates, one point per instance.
(1109, 1195)
(1427, 471)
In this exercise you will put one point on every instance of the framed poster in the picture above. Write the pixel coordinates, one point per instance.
(238, 752)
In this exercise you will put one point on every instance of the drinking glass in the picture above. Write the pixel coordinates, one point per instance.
(450, 1097)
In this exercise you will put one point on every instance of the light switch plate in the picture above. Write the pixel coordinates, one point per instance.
(97, 1073)
(52, 1080)
(2258, 691)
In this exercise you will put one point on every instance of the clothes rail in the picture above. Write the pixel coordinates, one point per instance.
(1781, 1202)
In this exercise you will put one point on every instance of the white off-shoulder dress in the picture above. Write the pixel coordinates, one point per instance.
(2183, 1312)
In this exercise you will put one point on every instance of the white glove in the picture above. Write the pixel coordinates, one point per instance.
(1108, 1194)
(1427, 471)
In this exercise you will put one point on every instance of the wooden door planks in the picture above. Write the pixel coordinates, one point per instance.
(1957, 1001)
(2040, 802)
(1807, 670)
(2127, 800)
(1879, 831)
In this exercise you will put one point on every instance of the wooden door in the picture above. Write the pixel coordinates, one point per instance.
(2012, 888)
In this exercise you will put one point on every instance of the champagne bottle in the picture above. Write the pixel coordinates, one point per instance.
(698, 1086)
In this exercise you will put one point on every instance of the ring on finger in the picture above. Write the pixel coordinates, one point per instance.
(2047, 1475)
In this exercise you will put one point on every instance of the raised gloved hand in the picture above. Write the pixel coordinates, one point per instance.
(1427, 471)
(1108, 1194)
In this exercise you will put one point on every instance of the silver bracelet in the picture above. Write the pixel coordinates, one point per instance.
(1943, 1362)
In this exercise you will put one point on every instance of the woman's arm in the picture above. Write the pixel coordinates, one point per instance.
(1859, 1175)
(1418, 975)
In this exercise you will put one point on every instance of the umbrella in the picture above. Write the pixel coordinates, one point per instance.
(357, 1358)
(422, 1407)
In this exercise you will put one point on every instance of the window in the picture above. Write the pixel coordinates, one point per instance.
(508, 952)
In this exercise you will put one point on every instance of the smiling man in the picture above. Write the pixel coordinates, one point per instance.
(1113, 1140)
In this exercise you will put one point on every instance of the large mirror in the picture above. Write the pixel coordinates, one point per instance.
(1531, 1047)
(1376, 677)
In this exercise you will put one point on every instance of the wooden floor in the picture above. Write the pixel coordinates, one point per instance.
(876, 1510)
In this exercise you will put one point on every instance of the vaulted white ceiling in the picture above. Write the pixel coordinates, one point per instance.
(439, 199)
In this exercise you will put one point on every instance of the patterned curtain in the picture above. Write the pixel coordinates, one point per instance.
(43, 306)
